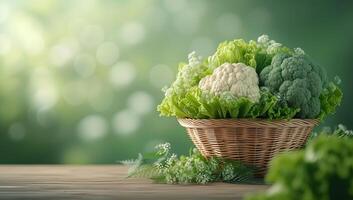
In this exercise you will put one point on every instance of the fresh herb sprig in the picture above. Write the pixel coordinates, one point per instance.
(166, 167)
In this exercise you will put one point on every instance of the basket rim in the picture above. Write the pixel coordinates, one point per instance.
(244, 122)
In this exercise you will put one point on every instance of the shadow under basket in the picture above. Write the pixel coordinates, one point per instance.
(252, 141)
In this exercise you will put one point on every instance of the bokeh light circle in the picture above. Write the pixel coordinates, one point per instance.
(92, 127)
(140, 102)
(107, 53)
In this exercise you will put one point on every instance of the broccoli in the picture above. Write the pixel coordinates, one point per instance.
(298, 80)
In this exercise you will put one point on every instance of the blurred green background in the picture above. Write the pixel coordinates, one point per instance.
(80, 79)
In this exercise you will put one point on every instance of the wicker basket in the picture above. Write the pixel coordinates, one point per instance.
(252, 141)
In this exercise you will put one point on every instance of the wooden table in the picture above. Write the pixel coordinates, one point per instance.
(102, 182)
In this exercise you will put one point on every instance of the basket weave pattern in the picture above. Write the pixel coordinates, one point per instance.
(254, 142)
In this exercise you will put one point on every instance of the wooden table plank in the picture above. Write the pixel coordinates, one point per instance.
(102, 182)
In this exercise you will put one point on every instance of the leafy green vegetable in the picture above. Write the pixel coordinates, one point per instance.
(236, 51)
(324, 170)
(298, 80)
(280, 111)
(255, 54)
(163, 166)
(330, 98)
(200, 105)
(179, 98)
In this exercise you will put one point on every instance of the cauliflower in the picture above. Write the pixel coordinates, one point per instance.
(298, 80)
(270, 46)
(237, 79)
(189, 74)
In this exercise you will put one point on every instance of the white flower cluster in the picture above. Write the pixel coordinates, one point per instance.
(189, 170)
(163, 149)
(171, 159)
(194, 168)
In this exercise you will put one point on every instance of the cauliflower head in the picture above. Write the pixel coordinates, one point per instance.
(190, 74)
(296, 79)
(238, 79)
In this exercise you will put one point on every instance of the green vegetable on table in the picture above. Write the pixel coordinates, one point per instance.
(255, 79)
(324, 170)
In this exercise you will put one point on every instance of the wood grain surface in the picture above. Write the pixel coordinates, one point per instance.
(102, 182)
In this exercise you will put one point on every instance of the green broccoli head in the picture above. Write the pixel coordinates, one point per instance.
(298, 80)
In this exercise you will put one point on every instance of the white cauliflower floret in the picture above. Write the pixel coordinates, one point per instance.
(270, 46)
(188, 74)
(238, 79)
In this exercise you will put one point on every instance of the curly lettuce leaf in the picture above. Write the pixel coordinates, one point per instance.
(255, 54)
(236, 51)
(330, 98)
(267, 101)
(196, 104)
(282, 112)
(225, 106)
(184, 105)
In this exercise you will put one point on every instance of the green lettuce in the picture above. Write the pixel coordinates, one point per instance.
(255, 54)
(236, 51)
(197, 104)
(330, 98)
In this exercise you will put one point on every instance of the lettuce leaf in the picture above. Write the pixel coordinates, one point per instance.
(196, 104)
(330, 98)
(236, 51)
(255, 54)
